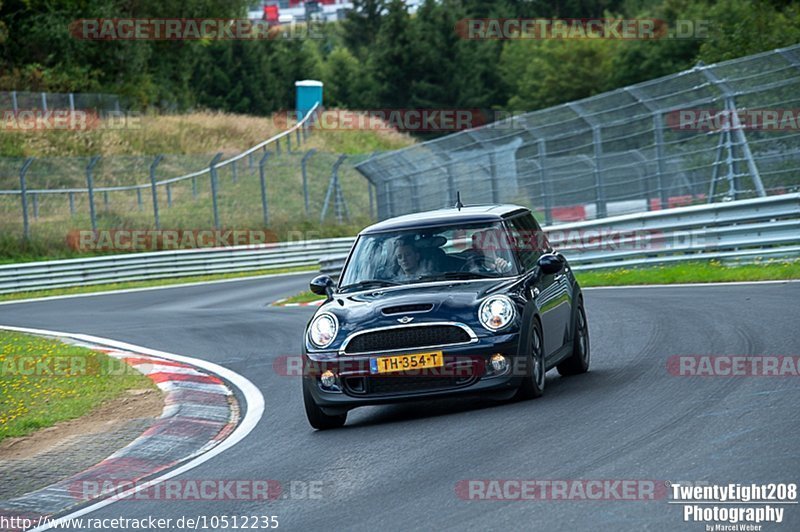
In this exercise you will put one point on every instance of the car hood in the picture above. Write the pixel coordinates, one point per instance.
(453, 301)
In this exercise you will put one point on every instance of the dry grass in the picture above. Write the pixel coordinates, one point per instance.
(194, 133)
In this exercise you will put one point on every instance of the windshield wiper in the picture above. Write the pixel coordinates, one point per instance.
(367, 283)
(448, 276)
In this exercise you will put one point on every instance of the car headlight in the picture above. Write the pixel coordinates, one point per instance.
(323, 330)
(496, 312)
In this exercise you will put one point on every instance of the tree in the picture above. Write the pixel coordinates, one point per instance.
(391, 61)
(363, 24)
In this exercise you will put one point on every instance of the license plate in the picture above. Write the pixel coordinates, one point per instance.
(406, 362)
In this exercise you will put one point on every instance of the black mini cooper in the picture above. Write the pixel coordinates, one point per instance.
(469, 300)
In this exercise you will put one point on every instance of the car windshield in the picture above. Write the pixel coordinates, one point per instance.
(441, 253)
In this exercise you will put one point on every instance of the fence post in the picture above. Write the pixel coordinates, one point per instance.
(303, 168)
(105, 200)
(663, 195)
(26, 230)
(169, 195)
(658, 131)
(153, 188)
(299, 141)
(493, 175)
(213, 170)
(289, 143)
(90, 187)
(71, 102)
(730, 107)
(44, 101)
(371, 191)
(14, 105)
(333, 185)
(600, 192)
(341, 204)
(277, 146)
(547, 197)
(72, 204)
(262, 177)
(139, 198)
(35, 198)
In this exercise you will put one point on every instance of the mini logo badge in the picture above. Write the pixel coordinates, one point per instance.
(405, 319)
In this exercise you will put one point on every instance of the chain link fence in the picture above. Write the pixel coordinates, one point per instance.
(677, 140)
(43, 101)
(278, 184)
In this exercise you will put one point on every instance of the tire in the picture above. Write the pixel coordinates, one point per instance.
(533, 384)
(316, 417)
(578, 361)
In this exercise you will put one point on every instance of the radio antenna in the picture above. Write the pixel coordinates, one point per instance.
(458, 204)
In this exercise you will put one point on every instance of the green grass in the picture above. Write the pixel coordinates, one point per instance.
(80, 380)
(302, 297)
(692, 272)
(146, 284)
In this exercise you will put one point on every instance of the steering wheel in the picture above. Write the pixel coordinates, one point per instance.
(478, 261)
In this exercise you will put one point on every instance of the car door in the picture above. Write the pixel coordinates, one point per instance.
(550, 293)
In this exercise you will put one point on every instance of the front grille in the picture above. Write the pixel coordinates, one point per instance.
(407, 338)
(402, 385)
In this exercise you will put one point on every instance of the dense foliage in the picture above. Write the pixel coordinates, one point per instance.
(380, 56)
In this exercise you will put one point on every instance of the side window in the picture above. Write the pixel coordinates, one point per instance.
(530, 240)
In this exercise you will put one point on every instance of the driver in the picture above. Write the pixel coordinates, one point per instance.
(494, 254)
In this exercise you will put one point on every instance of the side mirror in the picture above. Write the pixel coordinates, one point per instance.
(322, 285)
(550, 264)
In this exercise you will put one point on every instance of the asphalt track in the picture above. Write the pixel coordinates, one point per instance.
(396, 467)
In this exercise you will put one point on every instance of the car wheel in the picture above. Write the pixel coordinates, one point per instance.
(578, 362)
(316, 417)
(533, 384)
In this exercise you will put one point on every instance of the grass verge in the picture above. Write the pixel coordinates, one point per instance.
(303, 297)
(691, 272)
(145, 284)
(44, 381)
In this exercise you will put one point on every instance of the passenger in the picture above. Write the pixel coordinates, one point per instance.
(410, 264)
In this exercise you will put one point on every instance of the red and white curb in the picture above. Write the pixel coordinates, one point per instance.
(280, 303)
(201, 418)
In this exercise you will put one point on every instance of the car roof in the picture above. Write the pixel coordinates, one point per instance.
(452, 215)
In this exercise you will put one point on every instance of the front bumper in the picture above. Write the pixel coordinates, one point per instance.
(464, 373)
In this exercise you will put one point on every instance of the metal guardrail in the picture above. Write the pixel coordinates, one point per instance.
(761, 227)
(165, 264)
(741, 230)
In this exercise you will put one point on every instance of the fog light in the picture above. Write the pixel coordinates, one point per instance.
(499, 363)
(328, 379)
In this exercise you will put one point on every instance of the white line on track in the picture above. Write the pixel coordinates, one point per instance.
(252, 396)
